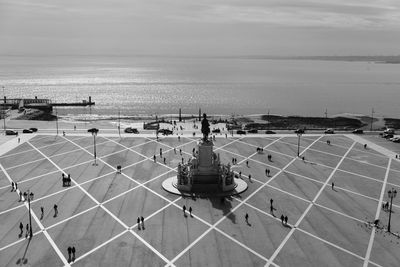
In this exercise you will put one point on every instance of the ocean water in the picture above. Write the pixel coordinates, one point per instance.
(162, 85)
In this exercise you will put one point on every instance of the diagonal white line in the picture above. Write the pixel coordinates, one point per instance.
(105, 209)
(51, 241)
(378, 210)
(272, 258)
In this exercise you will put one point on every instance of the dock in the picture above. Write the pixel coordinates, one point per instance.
(42, 103)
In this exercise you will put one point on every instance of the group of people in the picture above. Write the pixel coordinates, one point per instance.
(184, 210)
(385, 206)
(260, 149)
(14, 186)
(71, 254)
(66, 179)
(234, 161)
(140, 223)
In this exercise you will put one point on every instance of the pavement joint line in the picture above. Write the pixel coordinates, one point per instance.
(326, 166)
(104, 208)
(356, 149)
(153, 140)
(272, 258)
(255, 160)
(20, 240)
(28, 150)
(320, 205)
(339, 156)
(122, 233)
(123, 224)
(73, 186)
(271, 150)
(68, 167)
(378, 211)
(304, 231)
(51, 241)
(231, 211)
(330, 243)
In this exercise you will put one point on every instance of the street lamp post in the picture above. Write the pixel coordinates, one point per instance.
(4, 111)
(94, 132)
(392, 194)
(30, 215)
(56, 121)
(298, 144)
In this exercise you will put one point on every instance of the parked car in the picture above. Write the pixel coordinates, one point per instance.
(33, 129)
(387, 136)
(269, 132)
(389, 131)
(165, 131)
(216, 130)
(358, 131)
(11, 132)
(329, 131)
(240, 132)
(252, 131)
(27, 131)
(299, 131)
(131, 130)
(395, 139)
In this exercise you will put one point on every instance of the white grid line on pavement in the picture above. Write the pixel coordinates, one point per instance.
(378, 210)
(51, 241)
(272, 258)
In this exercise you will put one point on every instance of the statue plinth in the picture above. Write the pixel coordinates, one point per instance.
(205, 156)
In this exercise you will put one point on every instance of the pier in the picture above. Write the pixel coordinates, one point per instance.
(41, 103)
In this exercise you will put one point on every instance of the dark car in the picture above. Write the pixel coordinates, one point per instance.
(252, 131)
(329, 131)
(33, 129)
(387, 135)
(240, 132)
(26, 131)
(165, 131)
(131, 130)
(299, 131)
(269, 132)
(10, 132)
(358, 131)
(216, 130)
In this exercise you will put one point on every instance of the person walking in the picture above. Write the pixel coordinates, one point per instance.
(12, 186)
(190, 211)
(73, 253)
(20, 196)
(250, 177)
(138, 223)
(246, 217)
(27, 231)
(286, 219)
(333, 185)
(69, 254)
(21, 228)
(282, 218)
(16, 186)
(154, 158)
(184, 210)
(55, 210)
(42, 213)
(142, 220)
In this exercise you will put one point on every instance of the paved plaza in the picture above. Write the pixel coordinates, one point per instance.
(97, 214)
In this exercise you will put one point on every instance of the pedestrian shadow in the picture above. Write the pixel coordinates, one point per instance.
(24, 260)
(249, 224)
(335, 190)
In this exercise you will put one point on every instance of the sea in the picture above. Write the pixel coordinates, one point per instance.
(156, 85)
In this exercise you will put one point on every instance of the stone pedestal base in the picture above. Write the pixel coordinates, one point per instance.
(170, 185)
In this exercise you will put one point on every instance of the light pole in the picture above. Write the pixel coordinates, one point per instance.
(392, 194)
(298, 144)
(4, 111)
(56, 121)
(94, 132)
(29, 196)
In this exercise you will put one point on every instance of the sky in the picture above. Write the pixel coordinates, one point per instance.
(200, 28)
